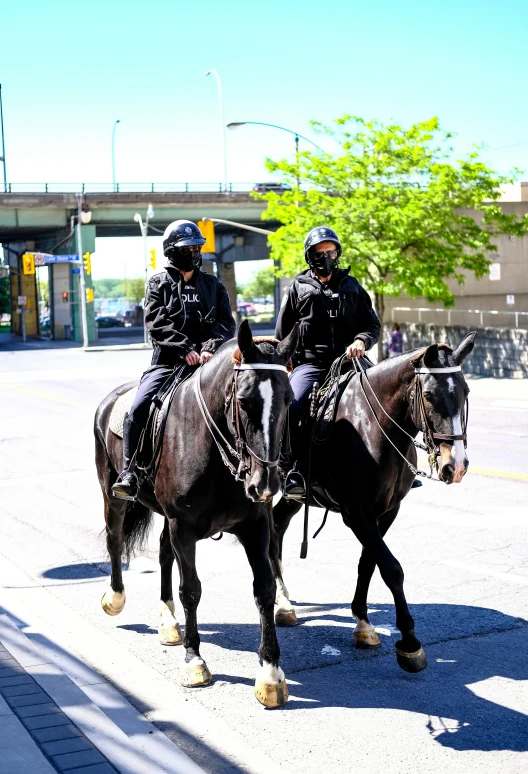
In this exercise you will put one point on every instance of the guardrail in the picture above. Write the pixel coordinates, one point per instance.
(125, 188)
(449, 312)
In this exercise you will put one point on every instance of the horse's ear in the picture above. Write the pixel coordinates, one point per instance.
(245, 339)
(464, 349)
(287, 347)
(426, 357)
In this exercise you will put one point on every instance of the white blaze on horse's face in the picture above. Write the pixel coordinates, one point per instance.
(266, 392)
(453, 461)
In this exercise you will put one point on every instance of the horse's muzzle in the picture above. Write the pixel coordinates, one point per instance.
(263, 484)
(450, 474)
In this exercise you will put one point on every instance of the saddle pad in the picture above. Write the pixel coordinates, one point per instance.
(121, 407)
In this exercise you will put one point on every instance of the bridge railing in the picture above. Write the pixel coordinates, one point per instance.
(109, 188)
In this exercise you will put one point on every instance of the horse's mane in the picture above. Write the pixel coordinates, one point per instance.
(237, 354)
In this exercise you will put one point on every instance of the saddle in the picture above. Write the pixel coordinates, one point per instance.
(319, 429)
(146, 458)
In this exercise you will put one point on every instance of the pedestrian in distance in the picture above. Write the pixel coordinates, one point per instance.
(395, 345)
(188, 317)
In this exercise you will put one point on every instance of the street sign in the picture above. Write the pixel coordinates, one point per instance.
(22, 300)
(510, 300)
(76, 270)
(494, 271)
(42, 259)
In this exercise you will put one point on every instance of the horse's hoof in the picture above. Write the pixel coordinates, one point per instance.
(195, 673)
(113, 602)
(169, 631)
(170, 635)
(271, 688)
(286, 617)
(412, 662)
(365, 640)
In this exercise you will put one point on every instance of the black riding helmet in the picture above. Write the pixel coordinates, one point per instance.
(178, 236)
(323, 266)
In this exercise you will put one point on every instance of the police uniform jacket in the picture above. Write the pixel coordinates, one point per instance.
(165, 317)
(331, 316)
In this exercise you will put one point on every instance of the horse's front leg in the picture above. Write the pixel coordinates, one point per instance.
(409, 652)
(169, 631)
(365, 635)
(113, 600)
(270, 684)
(194, 671)
(281, 516)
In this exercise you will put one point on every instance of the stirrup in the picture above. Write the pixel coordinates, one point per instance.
(295, 480)
(122, 493)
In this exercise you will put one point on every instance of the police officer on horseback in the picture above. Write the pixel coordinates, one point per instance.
(335, 316)
(188, 317)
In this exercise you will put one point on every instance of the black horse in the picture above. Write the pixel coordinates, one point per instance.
(368, 465)
(229, 414)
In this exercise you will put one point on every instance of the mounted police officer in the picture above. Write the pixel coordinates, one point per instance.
(188, 317)
(335, 316)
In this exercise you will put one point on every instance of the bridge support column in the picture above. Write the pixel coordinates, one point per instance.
(88, 246)
(226, 275)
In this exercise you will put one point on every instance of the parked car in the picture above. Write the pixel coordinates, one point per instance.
(267, 187)
(246, 308)
(109, 322)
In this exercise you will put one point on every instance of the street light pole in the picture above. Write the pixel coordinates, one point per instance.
(2, 157)
(113, 153)
(82, 300)
(222, 124)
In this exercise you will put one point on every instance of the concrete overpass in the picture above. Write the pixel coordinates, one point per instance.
(40, 221)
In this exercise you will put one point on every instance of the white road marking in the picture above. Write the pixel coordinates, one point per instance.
(266, 391)
(328, 650)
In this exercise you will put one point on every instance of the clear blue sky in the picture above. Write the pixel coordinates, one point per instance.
(68, 70)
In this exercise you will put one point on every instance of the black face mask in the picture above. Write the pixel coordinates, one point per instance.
(185, 259)
(323, 266)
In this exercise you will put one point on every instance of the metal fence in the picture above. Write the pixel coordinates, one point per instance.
(482, 314)
(125, 188)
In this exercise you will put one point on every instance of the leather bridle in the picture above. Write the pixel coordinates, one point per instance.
(241, 452)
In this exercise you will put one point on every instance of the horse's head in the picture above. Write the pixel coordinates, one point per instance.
(438, 400)
(260, 405)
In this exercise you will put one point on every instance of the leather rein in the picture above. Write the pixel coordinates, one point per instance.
(241, 452)
(419, 415)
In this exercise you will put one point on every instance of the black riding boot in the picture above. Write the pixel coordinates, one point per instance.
(293, 485)
(126, 486)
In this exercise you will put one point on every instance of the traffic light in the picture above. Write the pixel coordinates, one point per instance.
(89, 295)
(65, 296)
(28, 263)
(152, 259)
(87, 261)
(208, 232)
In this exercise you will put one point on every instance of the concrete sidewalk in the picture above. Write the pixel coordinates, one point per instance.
(50, 721)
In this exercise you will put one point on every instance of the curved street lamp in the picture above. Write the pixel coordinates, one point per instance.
(113, 153)
(236, 124)
(214, 72)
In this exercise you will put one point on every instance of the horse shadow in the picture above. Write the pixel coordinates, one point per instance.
(468, 693)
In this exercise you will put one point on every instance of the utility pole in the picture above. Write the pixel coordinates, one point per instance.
(82, 300)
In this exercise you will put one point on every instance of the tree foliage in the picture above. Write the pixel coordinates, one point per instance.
(262, 284)
(409, 217)
(5, 296)
(132, 289)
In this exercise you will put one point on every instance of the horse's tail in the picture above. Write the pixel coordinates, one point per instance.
(136, 528)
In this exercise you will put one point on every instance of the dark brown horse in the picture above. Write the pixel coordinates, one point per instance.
(218, 472)
(368, 464)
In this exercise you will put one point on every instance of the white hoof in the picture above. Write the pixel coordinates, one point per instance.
(271, 688)
(284, 613)
(195, 673)
(113, 601)
(169, 631)
(365, 635)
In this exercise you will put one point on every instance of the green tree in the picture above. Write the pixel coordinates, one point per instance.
(261, 285)
(409, 216)
(5, 296)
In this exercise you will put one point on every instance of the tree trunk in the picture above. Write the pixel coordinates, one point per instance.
(379, 305)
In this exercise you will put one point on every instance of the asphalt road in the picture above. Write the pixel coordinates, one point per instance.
(463, 549)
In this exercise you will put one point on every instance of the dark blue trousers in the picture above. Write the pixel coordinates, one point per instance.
(302, 381)
(150, 384)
